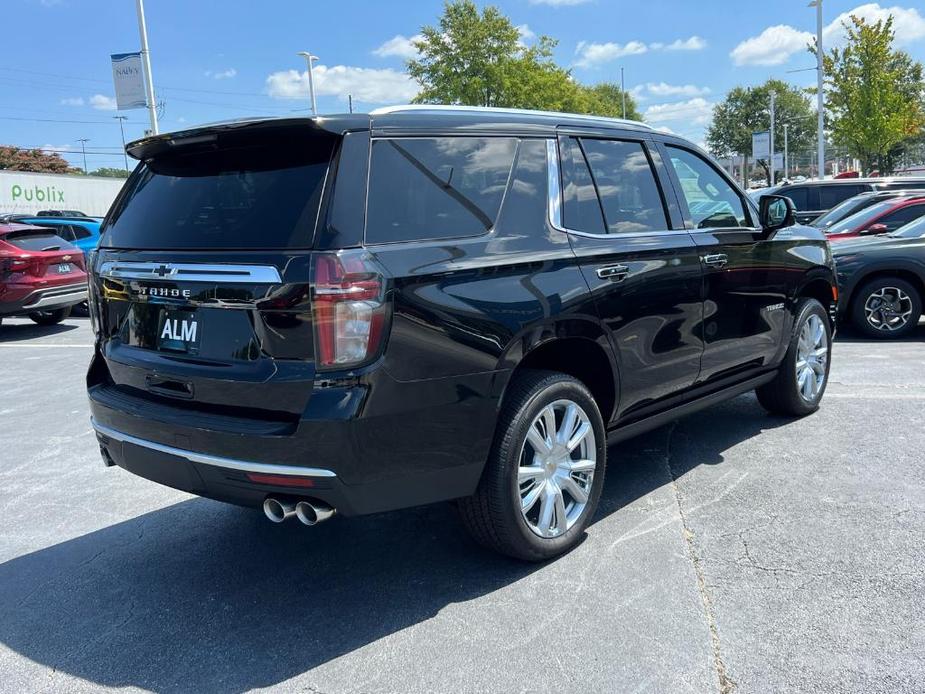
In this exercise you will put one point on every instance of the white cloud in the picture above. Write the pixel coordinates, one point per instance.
(73, 101)
(662, 89)
(908, 23)
(378, 86)
(102, 102)
(558, 3)
(221, 74)
(696, 111)
(526, 33)
(777, 44)
(665, 129)
(399, 46)
(694, 43)
(55, 148)
(593, 54)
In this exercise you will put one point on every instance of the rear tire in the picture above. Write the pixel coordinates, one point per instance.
(800, 382)
(50, 317)
(545, 472)
(886, 308)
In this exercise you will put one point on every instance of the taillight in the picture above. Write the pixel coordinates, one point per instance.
(10, 264)
(349, 308)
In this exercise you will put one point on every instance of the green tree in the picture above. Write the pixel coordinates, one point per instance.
(110, 172)
(746, 110)
(18, 159)
(478, 59)
(874, 95)
(605, 99)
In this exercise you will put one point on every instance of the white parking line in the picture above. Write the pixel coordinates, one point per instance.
(39, 344)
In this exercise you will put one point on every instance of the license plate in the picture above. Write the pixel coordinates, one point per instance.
(179, 331)
(64, 268)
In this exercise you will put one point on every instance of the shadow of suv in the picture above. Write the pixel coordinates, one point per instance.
(358, 313)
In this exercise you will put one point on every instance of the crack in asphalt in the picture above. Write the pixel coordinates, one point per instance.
(726, 683)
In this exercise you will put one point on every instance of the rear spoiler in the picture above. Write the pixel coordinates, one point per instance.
(205, 135)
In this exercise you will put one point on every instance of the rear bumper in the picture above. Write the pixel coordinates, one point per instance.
(45, 299)
(417, 443)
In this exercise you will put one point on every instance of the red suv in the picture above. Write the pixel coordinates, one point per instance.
(41, 275)
(879, 218)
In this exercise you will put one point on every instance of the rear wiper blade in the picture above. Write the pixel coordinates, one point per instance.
(51, 248)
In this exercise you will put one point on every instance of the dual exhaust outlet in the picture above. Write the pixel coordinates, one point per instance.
(308, 512)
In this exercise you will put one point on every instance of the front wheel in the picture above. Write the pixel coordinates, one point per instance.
(50, 317)
(801, 378)
(886, 307)
(545, 473)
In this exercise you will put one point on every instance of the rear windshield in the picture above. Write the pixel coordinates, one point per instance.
(258, 193)
(36, 241)
(859, 219)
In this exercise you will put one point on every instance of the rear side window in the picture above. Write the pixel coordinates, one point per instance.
(830, 196)
(247, 193)
(581, 208)
(799, 197)
(36, 241)
(626, 185)
(902, 216)
(436, 188)
(80, 232)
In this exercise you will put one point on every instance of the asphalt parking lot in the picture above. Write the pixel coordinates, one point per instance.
(733, 551)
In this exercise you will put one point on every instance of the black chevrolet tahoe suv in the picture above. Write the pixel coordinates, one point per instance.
(358, 313)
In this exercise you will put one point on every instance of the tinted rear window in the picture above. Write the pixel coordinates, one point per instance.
(36, 241)
(436, 188)
(829, 196)
(262, 193)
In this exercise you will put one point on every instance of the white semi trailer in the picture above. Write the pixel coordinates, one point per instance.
(33, 192)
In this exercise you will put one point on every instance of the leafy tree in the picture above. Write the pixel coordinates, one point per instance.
(110, 172)
(874, 94)
(746, 110)
(18, 159)
(478, 59)
(605, 100)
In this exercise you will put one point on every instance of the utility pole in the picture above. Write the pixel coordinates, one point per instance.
(820, 99)
(786, 153)
(146, 63)
(122, 130)
(350, 102)
(623, 92)
(771, 143)
(309, 58)
(83, 146)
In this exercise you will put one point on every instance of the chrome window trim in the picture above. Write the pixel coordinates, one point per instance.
(554, 205)
(214, 460)
(191, 272)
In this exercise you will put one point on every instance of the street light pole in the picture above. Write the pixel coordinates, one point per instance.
(623, 92)
(820, 100)
(786, 153)
(83, 147)
(146, 62)
(309, 58)
(122, 130)
(771, 143)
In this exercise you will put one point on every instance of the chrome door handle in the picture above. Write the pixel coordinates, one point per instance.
(614, 273)
(715, 259)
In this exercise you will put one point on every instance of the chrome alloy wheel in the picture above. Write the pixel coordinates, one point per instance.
(888, 309)
(556, 468)
(812, 355)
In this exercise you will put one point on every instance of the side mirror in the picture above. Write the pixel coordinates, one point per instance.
(875, 229)
(776, 212)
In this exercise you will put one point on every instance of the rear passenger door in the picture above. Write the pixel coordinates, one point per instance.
(642, 266)
(745, 280)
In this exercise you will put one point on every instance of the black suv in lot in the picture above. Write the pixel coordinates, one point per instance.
(358, 313)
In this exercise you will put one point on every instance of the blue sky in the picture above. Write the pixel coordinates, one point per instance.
(217, 60)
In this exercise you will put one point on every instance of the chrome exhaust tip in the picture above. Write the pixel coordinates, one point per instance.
(313, 512)
(278, 510)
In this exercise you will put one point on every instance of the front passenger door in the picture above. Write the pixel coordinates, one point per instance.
(745, 280)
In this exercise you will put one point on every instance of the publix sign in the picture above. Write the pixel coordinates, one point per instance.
(31, 192)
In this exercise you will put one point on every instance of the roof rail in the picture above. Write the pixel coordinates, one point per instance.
(405, 108)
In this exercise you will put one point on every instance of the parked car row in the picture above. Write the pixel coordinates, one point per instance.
(814, 198)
